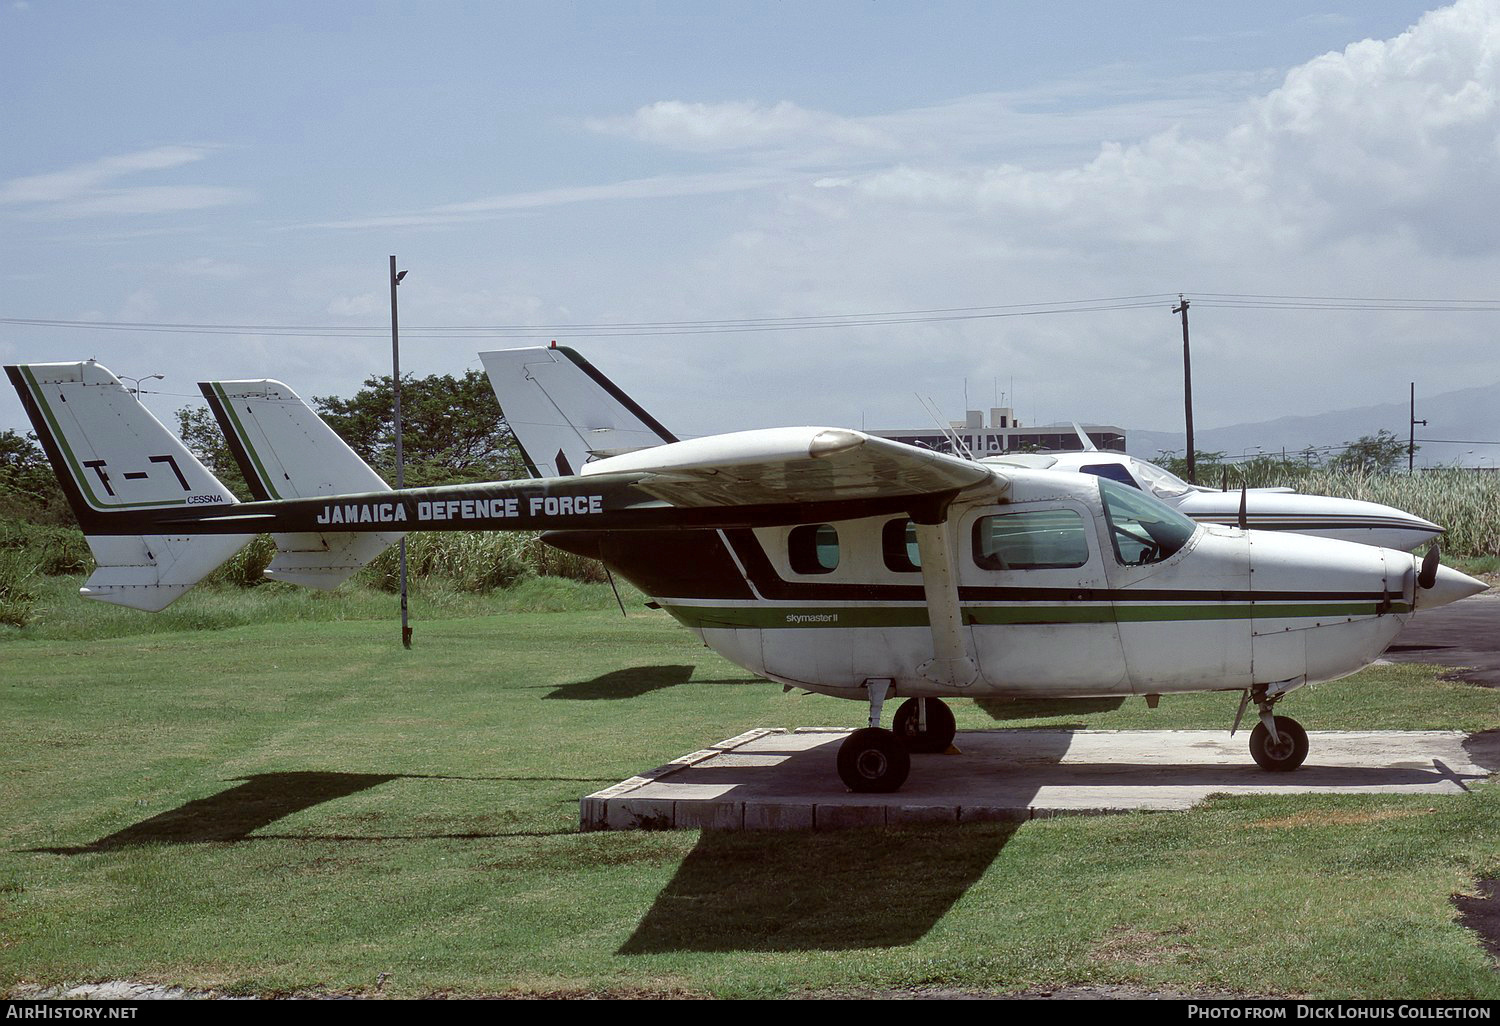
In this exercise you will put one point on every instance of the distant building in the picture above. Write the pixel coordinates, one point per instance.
(1004, 433)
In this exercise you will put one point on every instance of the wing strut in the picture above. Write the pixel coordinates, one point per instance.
(951, 663)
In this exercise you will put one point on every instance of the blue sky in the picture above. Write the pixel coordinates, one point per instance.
(555, 164)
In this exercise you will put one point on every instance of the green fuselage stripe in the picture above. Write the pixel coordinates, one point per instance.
(761, 616)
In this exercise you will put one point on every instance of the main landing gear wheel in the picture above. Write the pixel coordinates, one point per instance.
(940, 726)
(873, 761)
(1282, 757)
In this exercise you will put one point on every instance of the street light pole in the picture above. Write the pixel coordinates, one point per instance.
(396, 415)
(136, 391)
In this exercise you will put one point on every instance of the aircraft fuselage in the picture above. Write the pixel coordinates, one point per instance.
(1086, 612)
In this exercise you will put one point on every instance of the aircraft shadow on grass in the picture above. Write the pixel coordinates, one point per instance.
(260, 800)
(804, 891)
(628, 683)
(830, 890)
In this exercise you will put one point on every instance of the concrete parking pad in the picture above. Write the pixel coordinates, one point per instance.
(774, 780)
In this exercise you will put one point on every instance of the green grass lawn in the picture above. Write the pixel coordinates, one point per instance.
(293, 802)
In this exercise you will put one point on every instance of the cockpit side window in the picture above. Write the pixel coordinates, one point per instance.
(898, 547)
(1113, 471)
(813, 549)
(1143, 529)
(1034, 540)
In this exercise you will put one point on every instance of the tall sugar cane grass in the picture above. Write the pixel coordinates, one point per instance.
(479, 561)
(1465, 502)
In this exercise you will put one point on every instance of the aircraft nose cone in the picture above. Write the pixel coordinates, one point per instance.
(1450, 586)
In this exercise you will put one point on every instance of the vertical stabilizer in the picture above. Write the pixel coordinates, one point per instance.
(564, 412)
(122, 471)
(286, 451)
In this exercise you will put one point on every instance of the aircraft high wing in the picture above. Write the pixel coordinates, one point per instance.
(822, 558)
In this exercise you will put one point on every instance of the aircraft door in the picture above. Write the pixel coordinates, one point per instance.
(1034, 591)
(1182, 605)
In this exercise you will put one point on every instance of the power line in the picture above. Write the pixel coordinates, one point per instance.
(713, 326)
(1239, 300)
(616, 328)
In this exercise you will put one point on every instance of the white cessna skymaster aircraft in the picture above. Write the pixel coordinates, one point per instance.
(822, 558)
(567, 413)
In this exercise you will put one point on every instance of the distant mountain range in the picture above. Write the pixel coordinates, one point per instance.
(1466, 421)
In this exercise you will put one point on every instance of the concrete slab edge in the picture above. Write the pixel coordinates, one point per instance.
(594, 809)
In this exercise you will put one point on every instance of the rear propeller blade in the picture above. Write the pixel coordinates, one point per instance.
(1428, 577)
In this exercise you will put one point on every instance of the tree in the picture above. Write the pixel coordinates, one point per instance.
(200, 432)
(28, 487)
(452, 429)
(1209, 464)
(1379, 454)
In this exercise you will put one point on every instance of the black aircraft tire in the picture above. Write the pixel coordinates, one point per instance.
(873, 761)
(1285, 757)
(940, 726)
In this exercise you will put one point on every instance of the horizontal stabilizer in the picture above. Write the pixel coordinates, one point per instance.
(150, 572)
(286, 451)
(564, 412)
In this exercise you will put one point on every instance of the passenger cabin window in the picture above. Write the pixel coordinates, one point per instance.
(898, 546)
(813, 549)
(1113, 471)
(1051, 539)
(1143, 529)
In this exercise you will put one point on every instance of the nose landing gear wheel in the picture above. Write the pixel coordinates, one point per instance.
(1282, 757)
(873, 761)
(940, 726)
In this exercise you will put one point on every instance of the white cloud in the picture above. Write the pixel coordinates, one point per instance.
(715, 127)
(1395, 136)
(88, 190)
(507, 204)
(1369, 171)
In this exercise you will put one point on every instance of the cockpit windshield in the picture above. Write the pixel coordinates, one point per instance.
(1161, 482)
(1144, 530)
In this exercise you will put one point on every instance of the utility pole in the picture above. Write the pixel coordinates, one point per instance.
(1187, 390)
(396, 415)
(1411, 439)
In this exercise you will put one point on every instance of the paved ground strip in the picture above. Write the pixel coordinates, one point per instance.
(775, 780)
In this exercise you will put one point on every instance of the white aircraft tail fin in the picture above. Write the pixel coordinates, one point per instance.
(124, 474)
(564, 412)
(286, 451)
